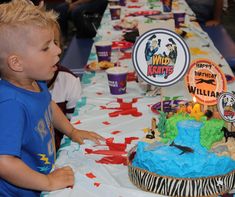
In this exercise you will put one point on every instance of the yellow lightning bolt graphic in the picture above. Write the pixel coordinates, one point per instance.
(44, 158)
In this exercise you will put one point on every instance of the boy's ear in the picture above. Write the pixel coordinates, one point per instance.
(14, 63)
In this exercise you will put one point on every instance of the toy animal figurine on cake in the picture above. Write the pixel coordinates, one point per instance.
(227, 133)
(151, 132)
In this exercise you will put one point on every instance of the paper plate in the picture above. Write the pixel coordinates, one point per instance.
(95, 66)
(119, 27)
(161, 16)
(144, 13)
(168, 106)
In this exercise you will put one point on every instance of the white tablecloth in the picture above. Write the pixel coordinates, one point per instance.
(94, 179)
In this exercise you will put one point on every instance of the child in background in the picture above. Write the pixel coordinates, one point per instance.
(207, 11)
(65, 87)
(28, 115)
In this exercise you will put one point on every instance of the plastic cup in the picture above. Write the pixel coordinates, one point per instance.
(122, 2)
(115, 12)
(113, 2)
(117, 79)
(167, 5)
(103, 50)
(179, 17)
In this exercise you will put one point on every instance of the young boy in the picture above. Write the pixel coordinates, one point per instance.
(28, 56)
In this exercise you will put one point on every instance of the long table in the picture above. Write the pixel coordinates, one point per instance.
(102, 170)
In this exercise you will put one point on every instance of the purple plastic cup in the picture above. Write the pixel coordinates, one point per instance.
(167, 5)
(115, 12)
(179, 17)
(122, 2)
(103, 50)
(117, 79)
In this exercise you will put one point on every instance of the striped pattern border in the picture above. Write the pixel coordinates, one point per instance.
(170, 186)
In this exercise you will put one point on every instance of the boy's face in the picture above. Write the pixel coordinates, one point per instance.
(40, 54)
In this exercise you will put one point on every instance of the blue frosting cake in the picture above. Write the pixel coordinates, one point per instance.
(184, 157)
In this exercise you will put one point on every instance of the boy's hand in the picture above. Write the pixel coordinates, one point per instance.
(60, 178)
(80, 135)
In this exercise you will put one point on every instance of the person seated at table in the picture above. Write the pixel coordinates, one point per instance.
(74, 10)
(65, 86)
(207, 11)
(27, 58)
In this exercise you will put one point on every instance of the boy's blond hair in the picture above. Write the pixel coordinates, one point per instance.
(15, 19)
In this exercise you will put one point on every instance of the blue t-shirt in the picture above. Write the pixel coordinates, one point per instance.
(26, 131)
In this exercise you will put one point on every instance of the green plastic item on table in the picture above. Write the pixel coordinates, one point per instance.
(92, 56)
(80, 104)
(66, 142)
(148, 20)
(86, 77)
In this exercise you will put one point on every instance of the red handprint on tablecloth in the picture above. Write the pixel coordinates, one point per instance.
(116, 153)
(125, 108)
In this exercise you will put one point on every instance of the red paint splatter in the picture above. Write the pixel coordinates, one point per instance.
(128, 140)
(96, 184)
(124, 109)
(131, 76)
(99, 93)
(134, 6)
(117, 159)
(116, 153)
(90, 175)
(106, 123)
(115, 132)
(78, 122)
(104, 152)
(115, 146)
(126, 55)
(103, 107)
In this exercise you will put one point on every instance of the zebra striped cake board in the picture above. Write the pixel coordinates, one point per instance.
(171, 186)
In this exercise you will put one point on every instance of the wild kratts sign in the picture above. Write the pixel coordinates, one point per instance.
(205, 81)
(160, 57)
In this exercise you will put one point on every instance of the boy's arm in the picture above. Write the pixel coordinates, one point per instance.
(218, 10)
(61, 123)
(18, 173)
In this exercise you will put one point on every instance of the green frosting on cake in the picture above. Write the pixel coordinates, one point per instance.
(210, 132)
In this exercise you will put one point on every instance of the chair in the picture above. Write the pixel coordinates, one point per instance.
(87, 18)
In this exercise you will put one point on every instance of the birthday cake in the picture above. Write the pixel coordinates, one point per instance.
(191, 158)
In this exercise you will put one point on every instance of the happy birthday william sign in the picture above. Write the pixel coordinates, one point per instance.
(205, 81)
(160, 57)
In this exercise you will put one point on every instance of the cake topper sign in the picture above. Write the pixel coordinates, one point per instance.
(205, 81)
(161, 57)
(226, 106)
